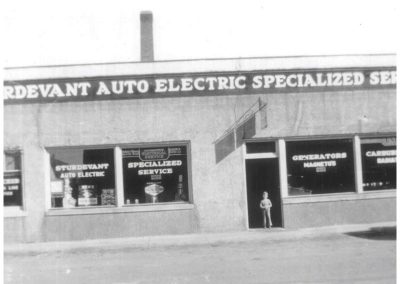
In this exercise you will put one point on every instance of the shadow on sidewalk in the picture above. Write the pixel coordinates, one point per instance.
(376, 233)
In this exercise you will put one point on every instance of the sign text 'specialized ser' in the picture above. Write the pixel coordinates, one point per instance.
(221, 83)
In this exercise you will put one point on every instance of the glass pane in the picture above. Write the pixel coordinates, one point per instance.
(12, 161)
(317, 167)
(82, 177)
(157, 174)
(260, 147)
(379, 163)
(12, 189)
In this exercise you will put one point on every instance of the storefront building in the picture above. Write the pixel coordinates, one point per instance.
(174, 147)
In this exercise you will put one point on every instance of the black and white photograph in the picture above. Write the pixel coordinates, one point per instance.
(199, 141)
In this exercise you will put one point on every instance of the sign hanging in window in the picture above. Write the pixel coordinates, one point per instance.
(82, 177)
(317, 167)
(12, 182)
(157, 174)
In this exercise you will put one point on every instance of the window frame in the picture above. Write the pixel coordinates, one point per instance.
(48, 178)
(392, 135)
(187, 165)
(323, 138)
(118, 179)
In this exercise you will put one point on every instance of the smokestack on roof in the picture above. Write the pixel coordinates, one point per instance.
(146, 36)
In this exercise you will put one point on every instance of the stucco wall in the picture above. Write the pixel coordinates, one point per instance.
(327, 213)
(218, 188)
(118, 225)
(330, 113)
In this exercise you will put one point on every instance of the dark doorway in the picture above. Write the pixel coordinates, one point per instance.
(263, 175)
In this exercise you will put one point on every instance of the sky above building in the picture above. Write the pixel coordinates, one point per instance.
(74, 32)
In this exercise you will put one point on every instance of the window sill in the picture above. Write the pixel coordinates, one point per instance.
(13, 211)
(124, 209)
(387, 193)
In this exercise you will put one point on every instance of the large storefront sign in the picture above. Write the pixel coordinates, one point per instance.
(136, 87)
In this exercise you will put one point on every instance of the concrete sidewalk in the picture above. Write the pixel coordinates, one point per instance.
(257, 235)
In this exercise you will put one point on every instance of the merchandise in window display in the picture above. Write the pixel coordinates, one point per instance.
(180, 195)
(107, 197)
(68, 200)
(87, 195)
(154, 190)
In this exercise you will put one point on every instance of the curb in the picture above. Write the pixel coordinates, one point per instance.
(257, 235)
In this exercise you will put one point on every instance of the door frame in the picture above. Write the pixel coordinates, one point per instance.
(280, 154)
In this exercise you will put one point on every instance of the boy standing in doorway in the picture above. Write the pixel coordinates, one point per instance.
(266, 205)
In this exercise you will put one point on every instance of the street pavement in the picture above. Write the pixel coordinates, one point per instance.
(346, 254)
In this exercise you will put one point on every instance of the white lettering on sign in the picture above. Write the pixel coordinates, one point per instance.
(155, 171)
(11, 188)
(97, 88)
(383, 78)
(380, 153)
(320, 161)
(90, 174)
(46, 90)
(103, 89)
(123, 87)
(382, 156)
(68, 175)
(11, 181)
(143, 86)
(173, 163)
(319, 164)
(82, 167)
(325, 156)
(200, 84)
(388, 160)
(304, 80)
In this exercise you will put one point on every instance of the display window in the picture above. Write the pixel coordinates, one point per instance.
(155, 174)
(378, 163)
(12, 182)
(320, 166)
(82, 177)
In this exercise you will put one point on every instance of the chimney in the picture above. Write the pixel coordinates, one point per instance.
(146, 36)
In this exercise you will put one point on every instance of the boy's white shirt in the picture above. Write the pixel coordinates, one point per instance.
(266, 203)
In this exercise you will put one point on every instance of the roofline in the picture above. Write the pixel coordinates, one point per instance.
(194, 59)
(200, 66)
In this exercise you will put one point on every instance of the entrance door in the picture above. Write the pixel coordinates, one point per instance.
(263, 175)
